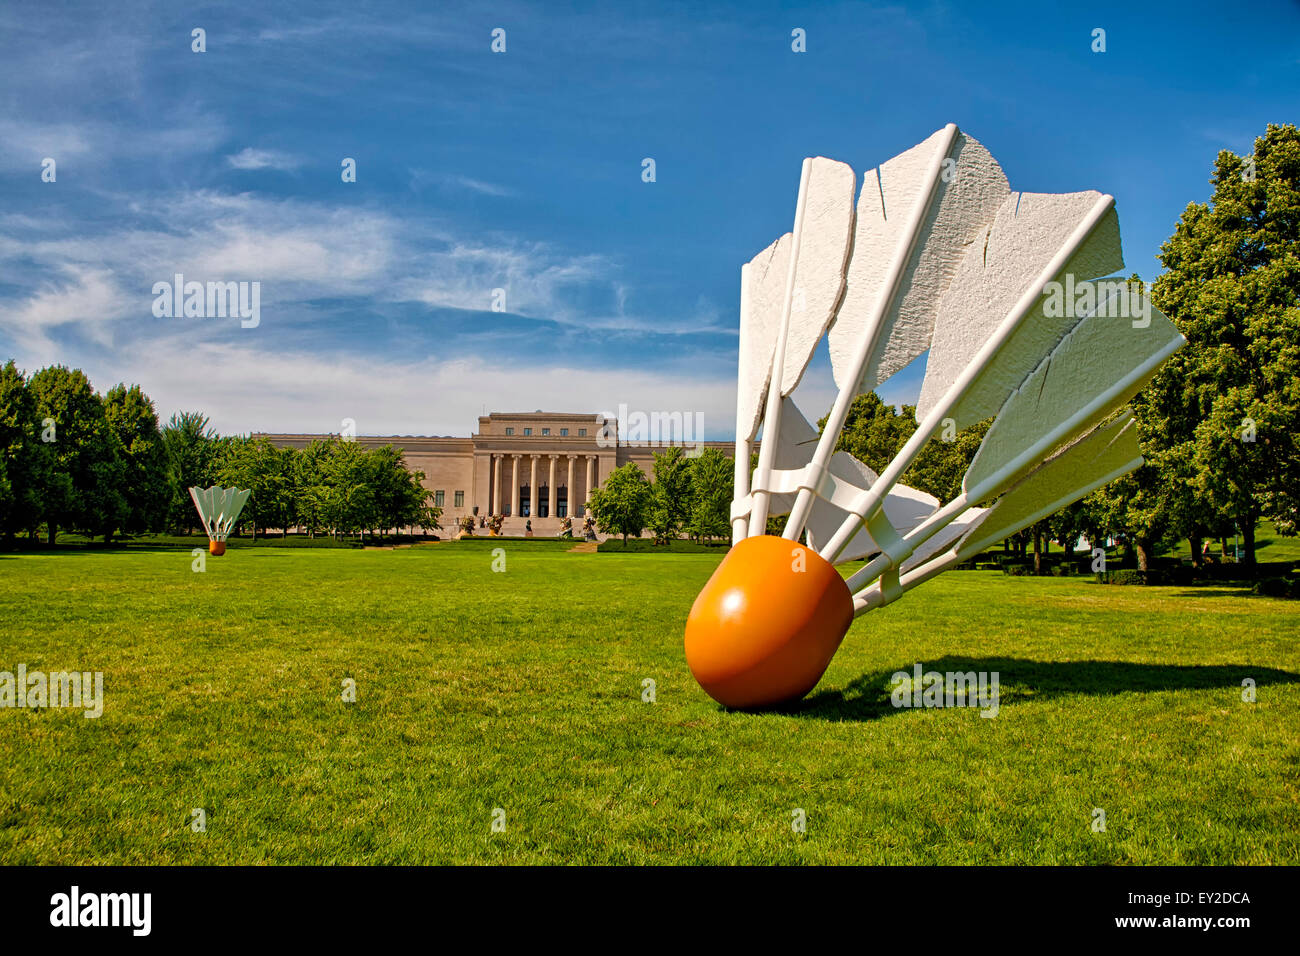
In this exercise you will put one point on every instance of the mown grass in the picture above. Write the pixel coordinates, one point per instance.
(523, 691)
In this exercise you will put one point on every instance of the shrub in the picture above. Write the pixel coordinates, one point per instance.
(1278, 588)
(1122, 576)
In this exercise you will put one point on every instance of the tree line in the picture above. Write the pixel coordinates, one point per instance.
(74, 460)
(690, 494)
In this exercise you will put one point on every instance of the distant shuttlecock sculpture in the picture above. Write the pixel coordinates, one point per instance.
(1002, 290)
(218, 509)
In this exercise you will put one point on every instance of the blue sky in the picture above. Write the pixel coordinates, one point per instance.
(522, 171)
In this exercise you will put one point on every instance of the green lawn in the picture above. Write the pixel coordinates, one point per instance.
(522, 690)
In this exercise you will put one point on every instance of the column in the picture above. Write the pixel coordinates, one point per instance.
(568, 489)
(496, 486)
(550, 488)
(591, 476)
(514, 490)
(532, 487)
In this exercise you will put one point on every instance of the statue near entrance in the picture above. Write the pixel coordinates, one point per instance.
(589, 528)
(494, 525)
(566, 527)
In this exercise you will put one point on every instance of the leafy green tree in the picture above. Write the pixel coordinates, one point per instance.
(712, 485)
(875, 432)
(193, 449)
(670, 494)
(1227, 407)
(1085, 518)
(26, 463)
(145, 486)
(622, 504)
(88, 471)
(342, 486)
(1139, 504)
(350, 499)
(399, 497)
(257, 465)
(310, 484)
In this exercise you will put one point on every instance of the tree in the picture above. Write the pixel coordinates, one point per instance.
(875, 432)
(311, 489)
(145, 480)
(712, 484)
(349, 506)
(670, 494)
(84, 493)
(1085, 518)
(1139, 504)
(258, 466)
(192, 451)
(1227, 407)
(399, 496)
(26, 463)
(622, 504)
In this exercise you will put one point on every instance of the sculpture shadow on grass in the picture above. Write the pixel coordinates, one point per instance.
(868, 697)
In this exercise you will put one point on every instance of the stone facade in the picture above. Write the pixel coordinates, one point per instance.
(537, 466)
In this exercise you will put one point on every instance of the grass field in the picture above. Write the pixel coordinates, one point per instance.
(523, 690)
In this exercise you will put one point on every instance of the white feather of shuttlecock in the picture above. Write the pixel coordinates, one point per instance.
(219, 508)
(939, 256)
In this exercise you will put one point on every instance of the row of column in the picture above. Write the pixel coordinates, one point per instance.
(498, 460)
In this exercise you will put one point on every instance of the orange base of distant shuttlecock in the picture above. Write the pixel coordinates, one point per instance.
(216, 548)
(767, 624)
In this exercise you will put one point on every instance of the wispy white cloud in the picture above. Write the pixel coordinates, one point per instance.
(304, 252)
(251, 158)
(479, 186)
(220, 235)
(24, 143)
(421, 179)
(88, 298)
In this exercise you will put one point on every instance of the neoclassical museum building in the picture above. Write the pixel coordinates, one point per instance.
(538, 466)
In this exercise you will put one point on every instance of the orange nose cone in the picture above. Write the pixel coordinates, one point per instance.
(766, 625)
(216, 548)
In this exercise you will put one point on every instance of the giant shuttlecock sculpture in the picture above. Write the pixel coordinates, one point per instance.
(1000, 288)
(218, 509)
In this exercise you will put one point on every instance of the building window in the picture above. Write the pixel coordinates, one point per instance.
(582, 433)
(546, 431)
(509, 430)
(564, 432)
(528, 431)
(460, 499)
(439, 497)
